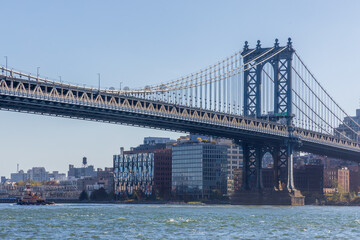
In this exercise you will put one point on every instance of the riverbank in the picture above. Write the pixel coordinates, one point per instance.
(77, 201)
(160, 202)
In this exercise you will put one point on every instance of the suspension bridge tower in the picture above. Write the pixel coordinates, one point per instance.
(284, 191)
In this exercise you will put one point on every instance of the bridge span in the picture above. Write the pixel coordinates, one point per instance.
(263, 98)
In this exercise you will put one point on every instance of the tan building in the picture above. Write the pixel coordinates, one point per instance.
(235, 156)
(234, 161)
(344, 179)
(337, 178)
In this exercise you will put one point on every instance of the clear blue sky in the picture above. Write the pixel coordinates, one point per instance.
(146, 42)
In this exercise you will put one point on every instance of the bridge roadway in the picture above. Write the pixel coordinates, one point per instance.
(63, 100)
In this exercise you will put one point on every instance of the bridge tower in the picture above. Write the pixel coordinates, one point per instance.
(282, 152)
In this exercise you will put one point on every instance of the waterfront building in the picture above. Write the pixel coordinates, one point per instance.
(3, 179)
(133, 172)
(344, 179)
(199, 169)
(230, 189)
(19, 176)
(354, 178)
(234, 161)
(309, 178)
(337, 178)
(162, 171)
(234, 156)
(106, 179)
(83, 182)
(238, 179)
(146, 168)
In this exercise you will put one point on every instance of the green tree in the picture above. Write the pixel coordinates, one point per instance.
(99, 195)
(83, 196)
(111, 195)
(216, 194)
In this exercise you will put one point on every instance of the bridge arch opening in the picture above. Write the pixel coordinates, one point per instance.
(267, 170)
(267, 90)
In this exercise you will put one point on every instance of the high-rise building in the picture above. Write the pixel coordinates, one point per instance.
(351, 127)
(235, 156)
(199, 169)
(234, 161)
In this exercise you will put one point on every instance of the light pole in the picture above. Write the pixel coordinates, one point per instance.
(37, 72)
(99, 81)
(6, 61)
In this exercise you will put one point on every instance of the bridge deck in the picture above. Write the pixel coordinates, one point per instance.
(31, 96)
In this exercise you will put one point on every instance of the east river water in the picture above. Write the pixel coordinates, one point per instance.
(115, 221)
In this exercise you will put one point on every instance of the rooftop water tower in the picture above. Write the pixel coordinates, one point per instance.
(84, 161)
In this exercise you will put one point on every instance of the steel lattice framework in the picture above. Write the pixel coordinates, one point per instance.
(264, 98)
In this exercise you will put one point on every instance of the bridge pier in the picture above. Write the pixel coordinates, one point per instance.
(283, 191)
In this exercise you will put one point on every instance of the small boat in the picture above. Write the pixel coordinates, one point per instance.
(30, 198)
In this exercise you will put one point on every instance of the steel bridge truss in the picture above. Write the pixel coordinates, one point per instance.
(25, 93)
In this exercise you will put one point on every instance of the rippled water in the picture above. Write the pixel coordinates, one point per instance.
(108, 221)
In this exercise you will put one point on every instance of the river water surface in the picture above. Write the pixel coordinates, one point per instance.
(115, 221)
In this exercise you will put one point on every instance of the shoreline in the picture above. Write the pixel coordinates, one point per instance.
(76, 201)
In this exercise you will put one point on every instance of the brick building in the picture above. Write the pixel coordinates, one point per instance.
(308, 178)
(337, 178)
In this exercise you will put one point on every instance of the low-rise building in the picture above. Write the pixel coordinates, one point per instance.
(38, 174)
(106, 178)
(19, 176)
(56, 176)
(85, 171)
(309, 178)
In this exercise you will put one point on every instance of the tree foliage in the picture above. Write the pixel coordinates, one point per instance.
(99, 195)
(83, 196)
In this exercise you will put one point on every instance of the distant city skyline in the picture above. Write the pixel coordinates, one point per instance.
(141, 43)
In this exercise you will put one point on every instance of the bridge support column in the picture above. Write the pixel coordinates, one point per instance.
(258, 156)
(245, 172)
(252, 192)
(252, 167)
(290, 179)
(280, 167)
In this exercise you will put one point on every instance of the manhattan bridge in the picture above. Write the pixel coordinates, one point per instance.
(265, 99)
